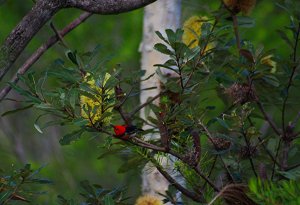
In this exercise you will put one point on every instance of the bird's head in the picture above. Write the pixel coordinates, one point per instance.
(119, 129)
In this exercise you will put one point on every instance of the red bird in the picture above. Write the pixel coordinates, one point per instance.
(124, 131)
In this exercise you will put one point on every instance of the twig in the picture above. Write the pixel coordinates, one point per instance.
(268, 151)
(211, 170)
(295, 121)
(61, 39)
(276, 155)
(292, 167)
(141, 143)
(144, 144)
(285, 136)
(262, 143)
(290, 79)
(249, 150)
(236, 31)
(196, 197)
(197, 146)
(41, 50)
(267, 118)
(210, 137)
(136, 110)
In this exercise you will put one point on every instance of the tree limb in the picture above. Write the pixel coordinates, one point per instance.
(18, 39)
(108, 6)
(173, 182)
(42, 49)
(43, 11)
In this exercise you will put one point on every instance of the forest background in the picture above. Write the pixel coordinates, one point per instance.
(119, 37)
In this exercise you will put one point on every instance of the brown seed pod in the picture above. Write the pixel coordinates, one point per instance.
(246, 6)
(236, 6)
(220, 144)
(246, 152)
(241, 93)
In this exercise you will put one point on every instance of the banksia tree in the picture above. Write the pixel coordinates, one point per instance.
(217, 141)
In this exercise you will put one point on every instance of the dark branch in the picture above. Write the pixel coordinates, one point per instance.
(42, 49)
(43, 11)
(268, 118)
(136, 110)
(183, 190)
(290, 81)
(18, 39)
(108, 6)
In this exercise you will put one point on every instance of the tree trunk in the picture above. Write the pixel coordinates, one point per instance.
(158, 16)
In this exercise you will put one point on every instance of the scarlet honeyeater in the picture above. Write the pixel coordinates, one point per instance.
(125, 131)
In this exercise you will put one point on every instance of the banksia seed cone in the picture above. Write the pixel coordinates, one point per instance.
(246, 152)
(245, 6)
(241, 93)
(148, 200)
(220, 144)
(236, 194)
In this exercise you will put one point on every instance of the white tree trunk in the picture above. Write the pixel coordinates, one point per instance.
(164, 14)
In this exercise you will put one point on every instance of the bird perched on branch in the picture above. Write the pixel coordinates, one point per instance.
(124, 132)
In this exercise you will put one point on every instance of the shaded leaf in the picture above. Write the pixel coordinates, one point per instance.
(17, 110)
(67, 139)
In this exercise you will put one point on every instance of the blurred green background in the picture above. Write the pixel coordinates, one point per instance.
(119, 36)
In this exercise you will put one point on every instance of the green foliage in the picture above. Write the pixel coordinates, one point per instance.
(279, 193)
(19, 185)
(211, 114)
(95, 194)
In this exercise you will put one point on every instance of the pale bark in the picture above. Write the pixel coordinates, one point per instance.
(158, 16)
(43, 11)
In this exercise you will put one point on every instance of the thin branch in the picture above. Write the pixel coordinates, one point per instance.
(210, 137)
(41, 50)
(211, 170)
(275, 160)
(249, 150)
(141, 143)
(196, 197)
(268, 118)
(295, 121)
(292, 167)
(197, 146)
(236, 31)
(136, 110)
(290, 80)
(268, 151)
(198, 171)
(43, 11)
(58, 35)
